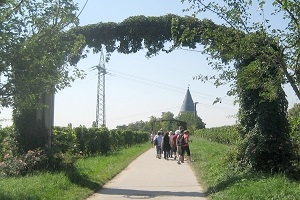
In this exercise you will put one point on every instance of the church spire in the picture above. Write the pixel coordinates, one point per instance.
(188, 103)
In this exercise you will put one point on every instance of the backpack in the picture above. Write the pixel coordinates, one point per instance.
(180, 140)
(155, 141)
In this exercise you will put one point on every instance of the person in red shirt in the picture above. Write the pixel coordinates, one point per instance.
(174, 145)
(185, 146)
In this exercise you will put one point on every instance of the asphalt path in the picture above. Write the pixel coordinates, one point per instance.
(148, 177)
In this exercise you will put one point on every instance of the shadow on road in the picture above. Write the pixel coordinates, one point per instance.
(130, 192)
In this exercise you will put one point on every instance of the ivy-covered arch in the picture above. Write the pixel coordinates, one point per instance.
(233, 48)
(131, 35)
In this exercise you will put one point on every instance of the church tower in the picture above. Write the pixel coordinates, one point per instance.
(188, 104)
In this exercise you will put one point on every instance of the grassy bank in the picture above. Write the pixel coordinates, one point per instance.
(89, 174)
(221, 183)
(77, 183)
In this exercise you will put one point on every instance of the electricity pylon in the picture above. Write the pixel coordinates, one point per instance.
(100, 108)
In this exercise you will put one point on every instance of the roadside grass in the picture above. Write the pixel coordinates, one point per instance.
(220, 182)
(76, 183)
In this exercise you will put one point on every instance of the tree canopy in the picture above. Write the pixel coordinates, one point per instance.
(38, 57)
(36, 51)
(244, 33)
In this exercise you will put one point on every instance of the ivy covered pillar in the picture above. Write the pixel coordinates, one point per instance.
(46, 115)
(34, 125)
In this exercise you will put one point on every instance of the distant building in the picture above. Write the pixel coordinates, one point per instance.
(188, 104)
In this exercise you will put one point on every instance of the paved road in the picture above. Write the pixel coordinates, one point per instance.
(148, 177)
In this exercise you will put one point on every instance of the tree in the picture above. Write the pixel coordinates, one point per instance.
(193, 123)
(37, 55)
(36, 52)
(294, 119)
(138, 126)
(282, 44)
(154, 126)
(266, 145)
(256, 62)
(167, 125)
(294, 112)
(2, 2)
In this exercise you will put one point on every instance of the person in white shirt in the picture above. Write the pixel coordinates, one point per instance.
(157, 142)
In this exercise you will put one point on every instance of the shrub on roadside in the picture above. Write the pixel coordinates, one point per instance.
(67, 145)
(223, 134)
(14, 162)
(64, 140)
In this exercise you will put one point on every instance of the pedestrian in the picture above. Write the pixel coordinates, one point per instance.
(185, 146)
(151, 139)
(166, 146)
(171, 135)
(157, 142)
(174, 145)
(179, 142)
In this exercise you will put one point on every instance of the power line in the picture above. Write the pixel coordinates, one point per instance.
(82, 8)
(153, 83)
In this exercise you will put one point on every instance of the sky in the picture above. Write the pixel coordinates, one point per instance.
(137, 87)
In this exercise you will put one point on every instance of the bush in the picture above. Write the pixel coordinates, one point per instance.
(63, 140)
(104, 141)
(223, 134)
(117, 142)
(67, 145)
(295, 135)
(13, 165)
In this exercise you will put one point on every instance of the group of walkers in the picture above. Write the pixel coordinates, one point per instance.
(172, 144)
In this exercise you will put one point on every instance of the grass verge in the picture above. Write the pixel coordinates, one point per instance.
(221, 183)
(77, 183)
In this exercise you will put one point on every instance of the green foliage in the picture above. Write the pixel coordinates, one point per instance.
(246, 54)
(116, 140)
(30, 133)
(294, 112)
(242, 35)
(130, 35)
(2, 2)
(4, 135)
(92, 141)
(14, 162)
(294, 120)
(36, 58)
(193, 123)
(266, 144)
(15, 165)
(167, 125)
(225, 134)
(64, 140)
(138, 126)
(78, 181)
(67, 146)
(128, 138)
(104, 141)
(222, 182)
(80, 138)
(36, 52)
(9, 145)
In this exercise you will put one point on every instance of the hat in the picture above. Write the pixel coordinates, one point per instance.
(177, 132)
